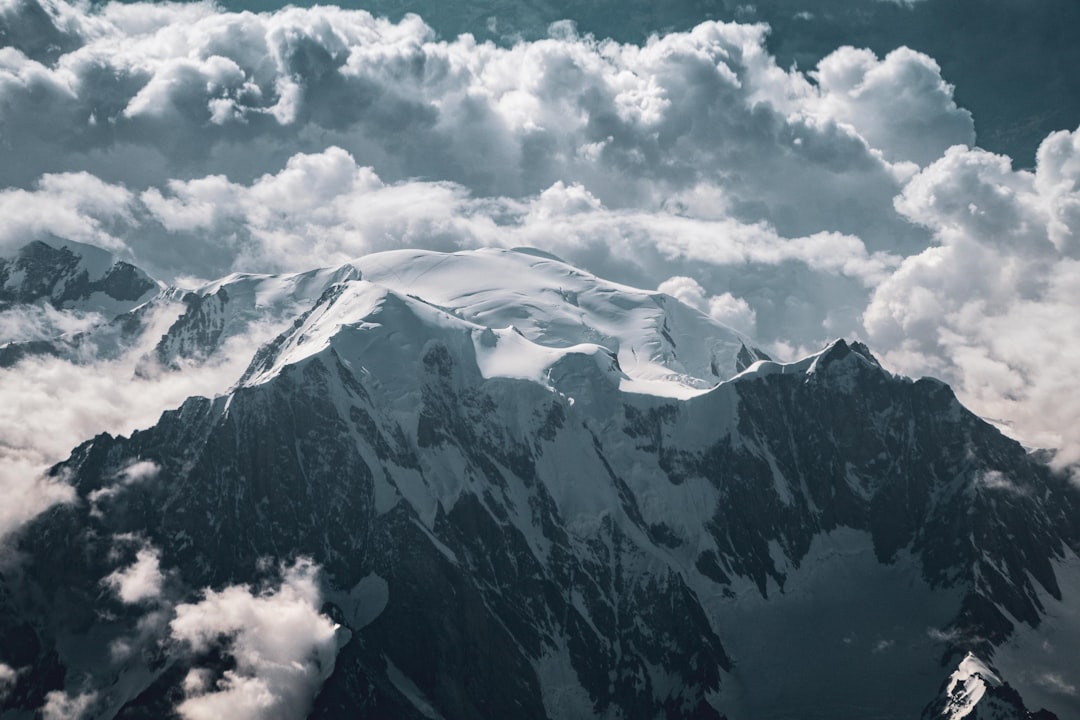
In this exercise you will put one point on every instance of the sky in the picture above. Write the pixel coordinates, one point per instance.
(902, 173)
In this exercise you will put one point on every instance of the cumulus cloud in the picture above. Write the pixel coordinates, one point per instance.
(327, 208)
(283, 648)
(992, 308)
(74, 206)
(303, 137)
(142, 580)
(726, 308)
(147, 93)
(900, 105)
(61, 705)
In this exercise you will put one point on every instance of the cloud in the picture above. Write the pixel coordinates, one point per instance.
(726, 308)
(1056, 684)
(996, 480)
(303, 137)
(43, 322)
(136, 472)
(992, 308)
(325, 208)
(140, 581)
(283, 648)
(53, 404)
(147, 93)
(8, 676)
(75, 206)
(61, 705)
(900, 105)
(882, 645)
(28, 493)
(139, 471)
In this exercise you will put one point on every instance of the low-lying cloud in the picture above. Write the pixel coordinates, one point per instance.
(283, 648)
(142, 580)
(52, 404)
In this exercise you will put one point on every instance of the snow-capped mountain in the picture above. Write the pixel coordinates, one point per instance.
(532, 493)
(560, 306)
(73, 276)
(58, 292)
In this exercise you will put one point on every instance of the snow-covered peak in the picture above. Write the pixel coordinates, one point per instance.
(526, 315)
(968, 685)
(387, 337)
(73, 276)
(976, 690)
(838, 362)
(283, 291)
(654, 336)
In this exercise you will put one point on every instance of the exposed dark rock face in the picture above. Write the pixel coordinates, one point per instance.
(198, 332)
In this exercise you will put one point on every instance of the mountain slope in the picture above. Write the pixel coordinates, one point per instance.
(558, 519)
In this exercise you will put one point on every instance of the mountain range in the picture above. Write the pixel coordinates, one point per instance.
(488, 484)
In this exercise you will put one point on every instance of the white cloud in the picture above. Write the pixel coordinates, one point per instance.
(8, 676)
(993, 308)
(307, 136)
(138, 471)
(189, 91)
(322, 209)
(60, 705)
(726, 308)
(734, 312)
(140, 581)
(325, 208)
(74, 206)
(900, 104)
(27, 492)
(283, 647)
(686, 290)
(996, 480)
(43, 322)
